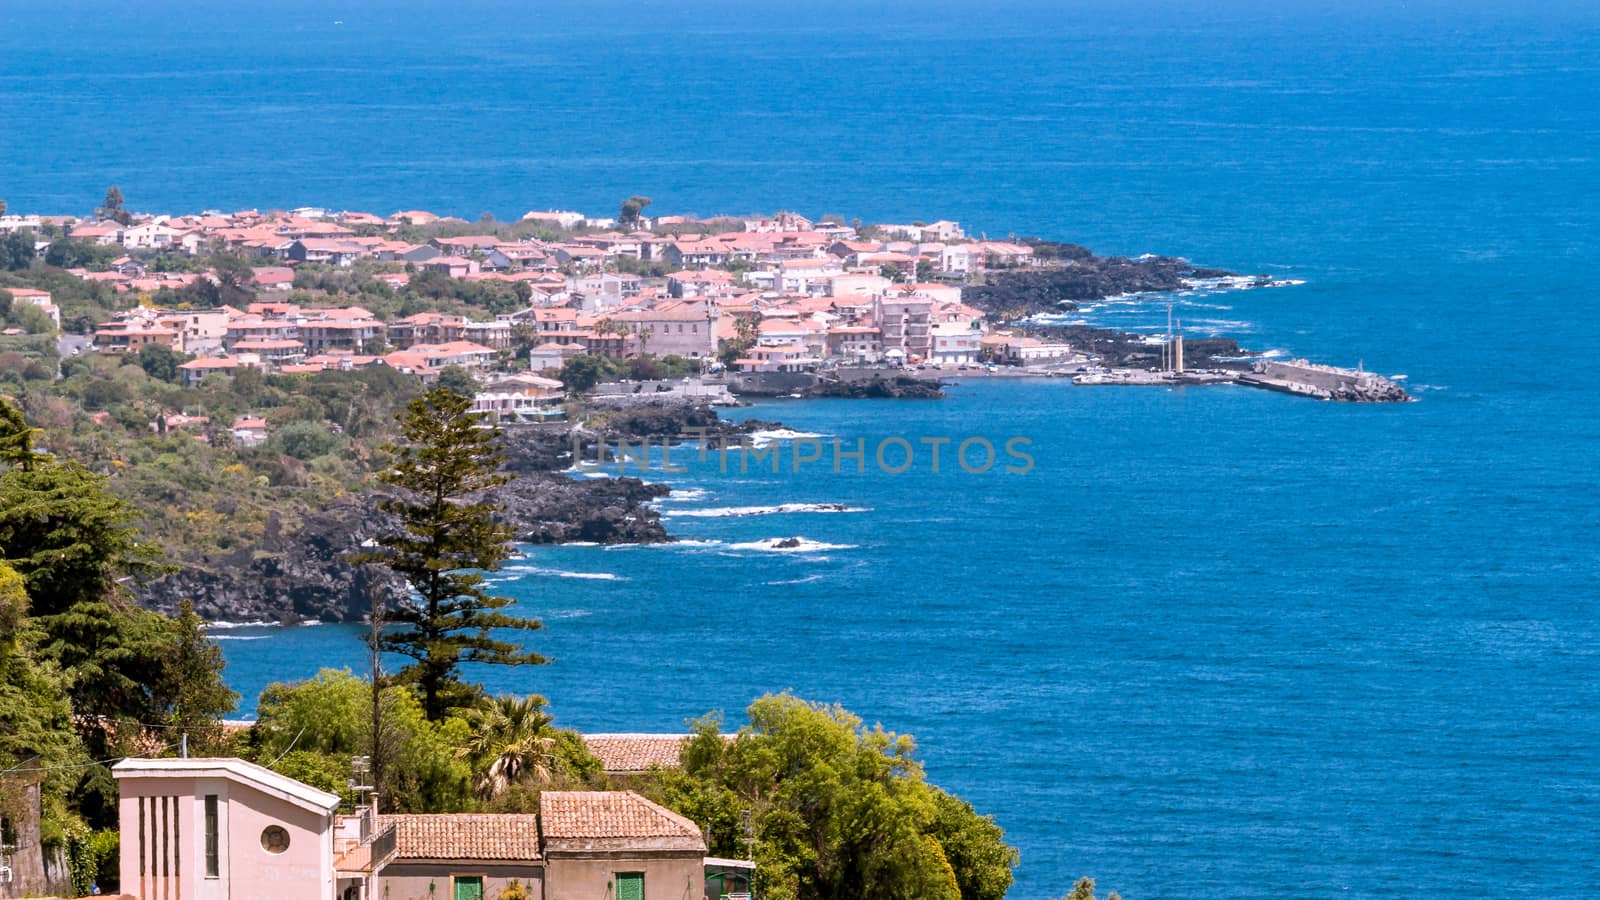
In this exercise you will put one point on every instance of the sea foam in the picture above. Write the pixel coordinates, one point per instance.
(733, 512)
(802, 545)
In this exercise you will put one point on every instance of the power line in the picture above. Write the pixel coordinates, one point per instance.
(83, 765)
(291, 745)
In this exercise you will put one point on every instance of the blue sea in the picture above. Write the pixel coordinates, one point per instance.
(1216, 642)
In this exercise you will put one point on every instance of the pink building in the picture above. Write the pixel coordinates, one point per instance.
(223, 829)
(213, 829)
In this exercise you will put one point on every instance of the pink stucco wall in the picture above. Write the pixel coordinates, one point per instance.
(302, 872)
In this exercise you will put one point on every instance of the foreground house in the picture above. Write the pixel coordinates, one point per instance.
(197, 829)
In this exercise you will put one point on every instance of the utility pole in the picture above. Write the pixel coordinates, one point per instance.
(375, 649)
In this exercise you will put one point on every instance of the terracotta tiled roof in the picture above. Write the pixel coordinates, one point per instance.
(506, 836)
(636, 752)
(569, 816)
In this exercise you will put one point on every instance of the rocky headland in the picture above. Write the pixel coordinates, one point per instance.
(306, 574)
(1082, 278)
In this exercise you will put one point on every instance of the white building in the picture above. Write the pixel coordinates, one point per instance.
(954, 343)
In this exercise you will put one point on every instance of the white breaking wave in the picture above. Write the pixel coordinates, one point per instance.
(790, 545)
(240, 637)
(261, 624)
(561, 573)
(1217, 325)
(588, 576)
(763, 438)
(685, 494)
(806, 580)
(729, 512)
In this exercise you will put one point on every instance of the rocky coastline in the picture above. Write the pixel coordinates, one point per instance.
(1120, 349)
(306, 575)
(1082, 278)
(877, 387)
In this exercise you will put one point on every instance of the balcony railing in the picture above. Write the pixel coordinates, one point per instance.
(383, 848)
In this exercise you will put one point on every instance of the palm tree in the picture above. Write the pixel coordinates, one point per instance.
(511, 743)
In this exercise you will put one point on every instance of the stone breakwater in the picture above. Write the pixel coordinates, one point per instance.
(1299, 377)
(1308, 379)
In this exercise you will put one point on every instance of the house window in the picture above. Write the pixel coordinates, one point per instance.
(141, 837)
(630, 886)
(213, 861)
(468, 887)
(274, 839)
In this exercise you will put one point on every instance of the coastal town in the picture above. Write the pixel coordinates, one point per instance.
(763, 304)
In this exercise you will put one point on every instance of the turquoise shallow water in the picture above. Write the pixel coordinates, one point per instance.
(1217, 641)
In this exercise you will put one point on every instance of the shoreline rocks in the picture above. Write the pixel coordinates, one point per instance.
(1119, 349)
(298, 577)
(1082, 277)
(306, 574)
(550, 508)
(881, 387)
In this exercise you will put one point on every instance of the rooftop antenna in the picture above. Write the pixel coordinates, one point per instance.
(748, 826)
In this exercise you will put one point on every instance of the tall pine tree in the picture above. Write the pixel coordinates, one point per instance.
(447, 537)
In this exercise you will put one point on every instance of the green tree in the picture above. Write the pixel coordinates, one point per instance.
(185, 682)
(112, 207)
(1084, 890)
(581, 373)
(67, 535)
(458, 381)
(746, 330)
(64, 253)
(838, 810)
(447, 538)
(310, 730)
(304, 440)
(512, 742)
(628, 216)
(160, 362)
(35, 716)
(17, 439)
(33, 320)
(72, 541)
(16, 250)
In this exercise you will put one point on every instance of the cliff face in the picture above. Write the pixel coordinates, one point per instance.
(305, 574)
(555, 509)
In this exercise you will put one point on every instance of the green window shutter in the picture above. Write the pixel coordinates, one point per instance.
(630, 886)
(469, 888)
